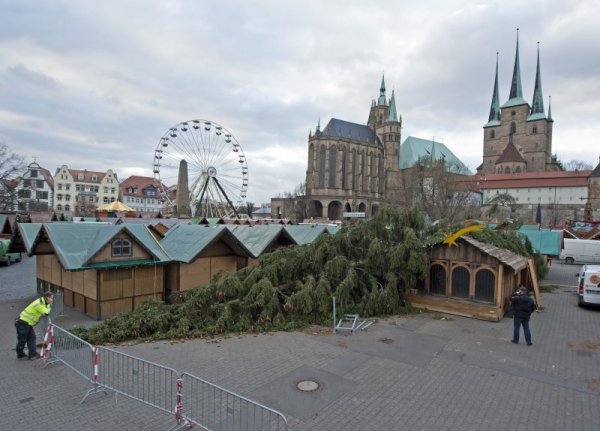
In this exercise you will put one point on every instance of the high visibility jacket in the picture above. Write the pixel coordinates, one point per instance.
(34, 311)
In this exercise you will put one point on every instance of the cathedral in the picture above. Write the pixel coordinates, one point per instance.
(355, 167)
(518, 137)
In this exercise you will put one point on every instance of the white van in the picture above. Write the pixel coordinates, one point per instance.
(589, 285)
(581, 250)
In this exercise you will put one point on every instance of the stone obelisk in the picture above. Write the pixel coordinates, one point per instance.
(183, 192)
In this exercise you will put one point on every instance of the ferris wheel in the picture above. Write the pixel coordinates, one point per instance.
(217, 168)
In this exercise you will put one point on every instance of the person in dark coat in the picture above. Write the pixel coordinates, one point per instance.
(522, 306)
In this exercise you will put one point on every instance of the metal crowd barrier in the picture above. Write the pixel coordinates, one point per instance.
(192, 400)
(145, 381)
(77, 354)
(212, 407)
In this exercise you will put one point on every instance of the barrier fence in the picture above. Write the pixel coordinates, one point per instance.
(193, 401)
(145, 381)
(214, 408)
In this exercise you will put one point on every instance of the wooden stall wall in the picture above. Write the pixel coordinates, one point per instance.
(122, 290)
(194, 274)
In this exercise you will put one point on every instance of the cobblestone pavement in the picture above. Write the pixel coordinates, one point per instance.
(425, 372)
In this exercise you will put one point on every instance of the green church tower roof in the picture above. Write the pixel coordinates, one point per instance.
(537, 103)
(494, 119)
(516, 90)
(382, 100)
(393, 115)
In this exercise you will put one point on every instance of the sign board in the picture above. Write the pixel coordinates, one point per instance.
(354, 215)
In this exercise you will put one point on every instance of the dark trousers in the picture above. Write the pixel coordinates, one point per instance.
(25, 335)
(518, 322)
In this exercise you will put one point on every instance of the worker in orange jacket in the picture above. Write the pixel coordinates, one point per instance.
(28, 318)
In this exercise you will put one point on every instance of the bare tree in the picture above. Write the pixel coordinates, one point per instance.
(292, 205)
(11, 165)
(577, 165)
(501, 206)
(435, 188)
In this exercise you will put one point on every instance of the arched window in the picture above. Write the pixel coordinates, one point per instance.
(513, 127)
(59, 207)
(311, 157)
(344, 162)
(437, 280)
(485, 285)
(460, 282)
(518, 169)
(332, 166)
(121, 247)
(353, 169)
(492, 134)
(322, 154)
(507, 170)
(363, 170)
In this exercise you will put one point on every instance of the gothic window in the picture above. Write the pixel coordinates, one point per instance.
(492, 134)
(507, 170)
(332, 166)
(322, 166)
(513, 127)
(518, 170)
(534, 130)
(311, 157)
(353, 170)
(344, 161)
(363, 170)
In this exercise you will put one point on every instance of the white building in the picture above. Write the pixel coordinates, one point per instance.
(143, 195)
(80, 192)
(34, 190)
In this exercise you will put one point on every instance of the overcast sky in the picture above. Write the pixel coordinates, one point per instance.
(95, 84)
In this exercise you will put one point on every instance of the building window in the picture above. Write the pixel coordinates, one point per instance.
(513, 127)
(67, 197)
(437, 280)
(80, 177)
(105, 189)
(492, 135)
(67, 186)
(42, 195)
(94, 178)
(59, 197)
(59, 186)
(322, 155)
(33, 174)
(59, 207)
(332, 166)
(112, 190)
(67, 208)
(121, 247)
(485, 285)
(513, 113)
(534, 130)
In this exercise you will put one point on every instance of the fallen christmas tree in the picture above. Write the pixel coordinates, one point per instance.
(366, 266)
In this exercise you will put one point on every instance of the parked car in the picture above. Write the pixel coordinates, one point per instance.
(581, 250)
(5, 257)
(589, 285)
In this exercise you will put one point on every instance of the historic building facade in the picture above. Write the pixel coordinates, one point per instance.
(35, 189)
(518, 137)
(354, 167)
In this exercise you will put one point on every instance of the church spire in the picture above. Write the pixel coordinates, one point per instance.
(537, 103)
(393, 115)
(495, 107)
(382, 100)
(516, 90)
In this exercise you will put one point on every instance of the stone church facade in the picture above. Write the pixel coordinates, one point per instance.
(518, 137)
(354, 167)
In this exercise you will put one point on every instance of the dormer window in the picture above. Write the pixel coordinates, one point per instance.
(94, 178)
(80, 177)
(121, 247)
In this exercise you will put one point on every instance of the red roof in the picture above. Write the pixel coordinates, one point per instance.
(87, 175)
(535, 179)
(139, 183)
(510, 154)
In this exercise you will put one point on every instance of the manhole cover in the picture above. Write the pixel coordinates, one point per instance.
(386, 340)
(307, 385)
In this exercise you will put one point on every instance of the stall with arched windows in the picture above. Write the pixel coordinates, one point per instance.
(471, 278)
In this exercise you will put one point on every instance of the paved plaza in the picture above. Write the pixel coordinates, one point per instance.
(426, 372)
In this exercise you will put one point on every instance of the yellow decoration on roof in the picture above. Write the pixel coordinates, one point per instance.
(451, 239)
